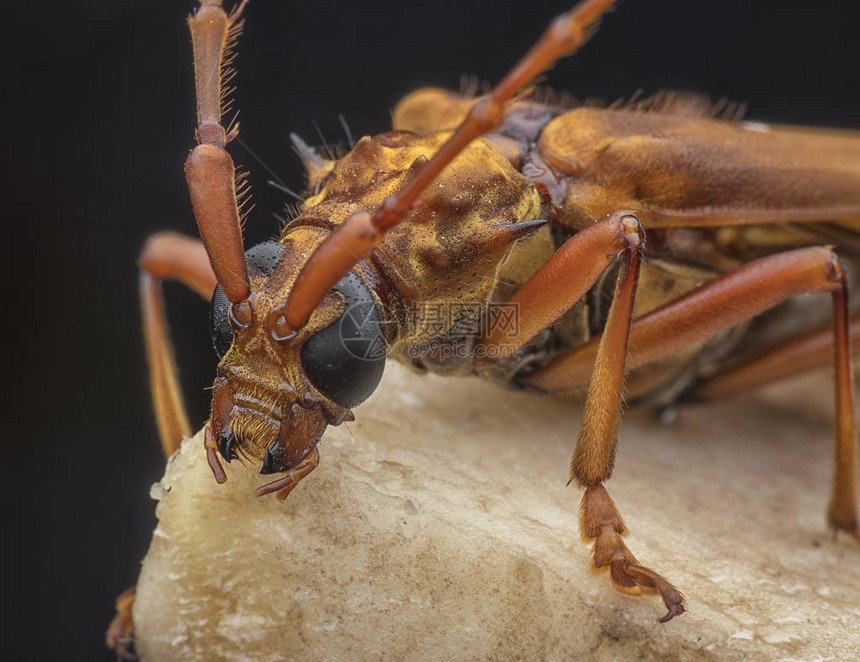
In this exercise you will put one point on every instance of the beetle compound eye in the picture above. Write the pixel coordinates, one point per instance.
(345, 360)
(262, 260)
(219, 322)
(264, 257)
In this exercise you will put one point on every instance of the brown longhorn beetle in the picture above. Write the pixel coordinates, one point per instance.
(632, 243)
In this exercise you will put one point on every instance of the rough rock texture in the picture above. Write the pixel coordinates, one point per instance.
(438, 526)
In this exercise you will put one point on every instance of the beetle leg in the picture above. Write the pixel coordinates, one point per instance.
(168, 255)
(565, 278)
(594, 457)
(713, 307)
(554, 288)
(723, 302)
(119, 636)
(165, 255)
(794, 357)
(600, 520)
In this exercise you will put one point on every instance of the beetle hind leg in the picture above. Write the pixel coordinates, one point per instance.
(600, 520)
(794, 357)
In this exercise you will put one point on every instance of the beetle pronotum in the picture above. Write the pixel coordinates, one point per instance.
(608, 201)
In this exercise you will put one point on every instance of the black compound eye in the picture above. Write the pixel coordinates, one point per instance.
(219, 323)
(261, 259)
(345, 360)
(264, 257)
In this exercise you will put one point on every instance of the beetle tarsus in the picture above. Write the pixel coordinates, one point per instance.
(674, 610)
(119, 636)
(601, 521)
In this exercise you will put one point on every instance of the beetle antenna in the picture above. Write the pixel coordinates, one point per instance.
(355, 239)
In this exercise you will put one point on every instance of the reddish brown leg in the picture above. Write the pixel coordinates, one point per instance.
(715, 306)
(594, 457)
(356, 238)
(565, 278)
(724, 302)
(795, 357)
(119, 635)
(842, 511)
(168, 255)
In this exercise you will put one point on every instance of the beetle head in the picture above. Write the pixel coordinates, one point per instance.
(277, 388)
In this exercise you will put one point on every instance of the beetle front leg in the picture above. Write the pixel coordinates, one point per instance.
(168, 255)
(563, 280)
(594, 457)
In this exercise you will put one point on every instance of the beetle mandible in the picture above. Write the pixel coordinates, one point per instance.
(631, 244)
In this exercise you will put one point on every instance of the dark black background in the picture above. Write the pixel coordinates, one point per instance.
(99, 115)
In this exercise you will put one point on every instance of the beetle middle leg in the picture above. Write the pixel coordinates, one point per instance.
(168, 255)
(723, 302)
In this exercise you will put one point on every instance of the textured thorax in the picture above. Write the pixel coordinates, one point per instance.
(453, 243)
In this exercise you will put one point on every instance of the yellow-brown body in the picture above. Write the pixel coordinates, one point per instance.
(756, 190)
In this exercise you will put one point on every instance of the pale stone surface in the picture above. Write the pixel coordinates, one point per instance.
(438, 526)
